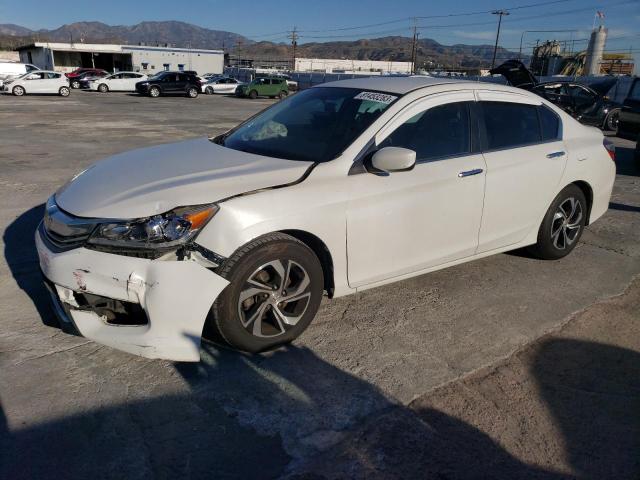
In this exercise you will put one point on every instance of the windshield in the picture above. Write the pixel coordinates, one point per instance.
(314, 125)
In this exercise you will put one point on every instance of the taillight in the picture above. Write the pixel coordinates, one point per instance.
(610, 148)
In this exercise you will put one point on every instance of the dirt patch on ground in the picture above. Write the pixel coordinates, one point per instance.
(566, 406)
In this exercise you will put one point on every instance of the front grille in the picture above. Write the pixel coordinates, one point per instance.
(63, 230)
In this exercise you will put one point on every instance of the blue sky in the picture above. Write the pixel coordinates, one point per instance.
(270, 19)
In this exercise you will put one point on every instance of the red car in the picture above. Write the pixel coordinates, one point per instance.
(79, 73)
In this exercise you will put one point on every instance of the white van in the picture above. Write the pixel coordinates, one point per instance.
(14, 69)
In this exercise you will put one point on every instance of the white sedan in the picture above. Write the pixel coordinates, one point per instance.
(118, 82)
(221, 85)
(340, 188)
(41, 81)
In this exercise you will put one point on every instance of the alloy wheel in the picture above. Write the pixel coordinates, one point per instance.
(18, 91)
(566, 223)
(612, 121)
(274, 298)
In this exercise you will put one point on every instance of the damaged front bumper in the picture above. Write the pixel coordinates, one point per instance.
(168, 300)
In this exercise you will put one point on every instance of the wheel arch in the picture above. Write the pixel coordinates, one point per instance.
(321, 251)
(588, 194)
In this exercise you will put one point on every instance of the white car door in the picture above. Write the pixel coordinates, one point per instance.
(129, 81)
(224, 85)
(525, 158)
(35, 83)
(404, 222)
(116, 82)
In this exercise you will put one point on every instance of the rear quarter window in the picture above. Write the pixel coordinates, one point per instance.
(549, 124)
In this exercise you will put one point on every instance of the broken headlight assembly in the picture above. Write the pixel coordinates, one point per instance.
(159, 232)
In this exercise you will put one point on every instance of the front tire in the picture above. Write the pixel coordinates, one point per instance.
(282, 94)
(563, 225)
(253, 94)
(154, 92)
(75, 84)
(18, 91)
(192, 92)
(275, 289)
(64, 91)
(611, 122)
(103, 88)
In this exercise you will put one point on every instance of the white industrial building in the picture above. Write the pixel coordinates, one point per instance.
(337, 65)
(65, 57)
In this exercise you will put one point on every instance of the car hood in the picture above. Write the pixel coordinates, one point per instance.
(516, 74)
(154, 180)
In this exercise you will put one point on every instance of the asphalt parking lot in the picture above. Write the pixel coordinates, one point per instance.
(506, 367)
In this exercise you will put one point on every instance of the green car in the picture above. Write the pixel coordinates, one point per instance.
(271, 87)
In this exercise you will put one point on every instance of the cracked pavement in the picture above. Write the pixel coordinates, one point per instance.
(70, 408)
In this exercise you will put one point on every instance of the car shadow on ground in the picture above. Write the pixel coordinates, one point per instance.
(22, 259)
(292, 414)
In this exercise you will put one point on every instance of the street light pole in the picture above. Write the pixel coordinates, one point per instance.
(500, 13)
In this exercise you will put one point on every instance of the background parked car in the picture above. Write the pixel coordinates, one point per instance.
(170, 83)
(86, 79)
(41, 81)
(118, 82)
(221, 85)
(84, 74)
(589, 104)
(9, 70)
(271, 87)
(629, 125)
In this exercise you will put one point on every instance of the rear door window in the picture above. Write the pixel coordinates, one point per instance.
(510, 125)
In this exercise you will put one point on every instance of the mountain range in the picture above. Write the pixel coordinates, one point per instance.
(183, 34)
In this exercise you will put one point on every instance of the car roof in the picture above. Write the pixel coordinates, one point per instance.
(399, 85)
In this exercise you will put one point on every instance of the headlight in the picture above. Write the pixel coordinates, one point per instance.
(165, 231)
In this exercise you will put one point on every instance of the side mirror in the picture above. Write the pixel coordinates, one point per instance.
(394, 159)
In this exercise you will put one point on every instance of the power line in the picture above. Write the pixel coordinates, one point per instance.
(422, 17)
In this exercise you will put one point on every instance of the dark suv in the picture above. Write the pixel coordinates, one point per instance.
(629, 125)
(170, 83)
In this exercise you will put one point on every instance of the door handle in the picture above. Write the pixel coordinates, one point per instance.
(555, 154)
(468, 173)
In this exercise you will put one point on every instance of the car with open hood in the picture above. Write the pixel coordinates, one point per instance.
(340, 188)
(589, 104)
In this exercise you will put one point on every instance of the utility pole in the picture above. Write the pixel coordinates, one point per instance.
(500, 13)
(414, 46)
(294, 43)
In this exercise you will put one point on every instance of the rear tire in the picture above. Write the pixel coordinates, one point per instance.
(18, 91)
(64, 91)
(562, 225)
(253, 94)
(255, 312)
(103, 88)
(75, 84)
(192, 92)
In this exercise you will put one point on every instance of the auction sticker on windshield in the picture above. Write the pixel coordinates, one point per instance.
(375, 97)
